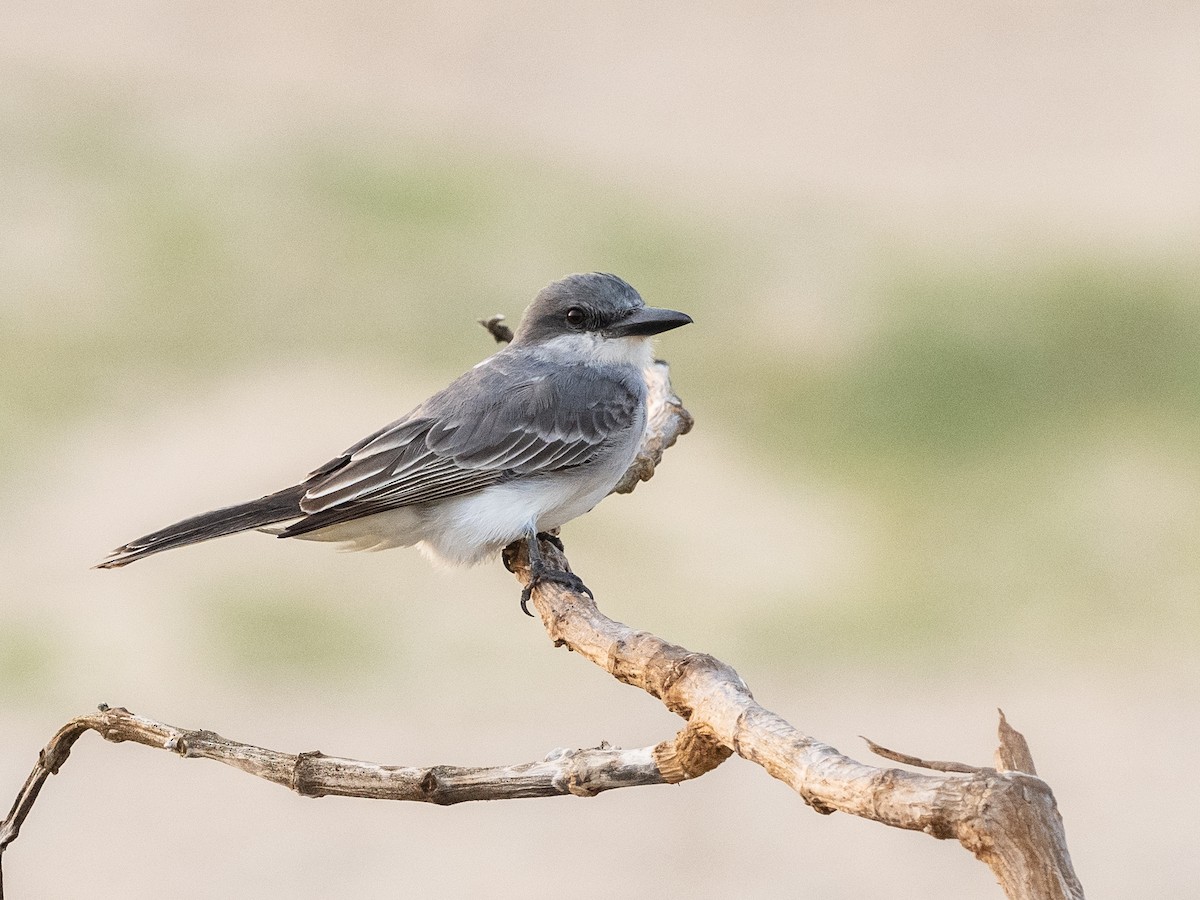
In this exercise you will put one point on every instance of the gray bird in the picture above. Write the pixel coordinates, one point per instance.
(527, 440)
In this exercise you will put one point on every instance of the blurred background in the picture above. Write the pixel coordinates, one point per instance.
(945, 371)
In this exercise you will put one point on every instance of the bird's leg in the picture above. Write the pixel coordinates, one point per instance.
(539, 571)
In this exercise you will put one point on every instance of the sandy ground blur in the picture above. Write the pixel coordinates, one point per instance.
(1064, 118)
(964, 123)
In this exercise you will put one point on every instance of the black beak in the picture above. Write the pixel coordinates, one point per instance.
(647, 321)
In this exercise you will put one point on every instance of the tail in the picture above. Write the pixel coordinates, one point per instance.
(278, 507)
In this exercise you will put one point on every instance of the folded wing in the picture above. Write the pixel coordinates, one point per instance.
(497, 422)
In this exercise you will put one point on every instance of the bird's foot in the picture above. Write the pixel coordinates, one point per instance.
(541, 574)
(551, 537)
(508, 554)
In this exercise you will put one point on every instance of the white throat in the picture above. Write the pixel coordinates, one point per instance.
(596, 350)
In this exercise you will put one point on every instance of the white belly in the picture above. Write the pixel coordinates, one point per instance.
(466, 530)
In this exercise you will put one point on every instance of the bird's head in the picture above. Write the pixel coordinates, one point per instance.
(595, 317)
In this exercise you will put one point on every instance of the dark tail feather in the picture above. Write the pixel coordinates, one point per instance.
(267, 510)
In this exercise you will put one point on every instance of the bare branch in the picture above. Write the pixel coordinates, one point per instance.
(666, 420)
(1013, 753)
(1007, 819)
(1007, 816)
(584, 773)
(692, 752)
(936, 764)
(496, 328)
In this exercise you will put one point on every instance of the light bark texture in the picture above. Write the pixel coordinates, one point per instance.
(1006, 816)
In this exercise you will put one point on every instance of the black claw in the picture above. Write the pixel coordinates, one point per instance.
(509, 554)
(552, 539)
(567, 579)
(574, 582)
(539, 571)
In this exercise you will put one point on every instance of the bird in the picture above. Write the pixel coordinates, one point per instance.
(525, 441)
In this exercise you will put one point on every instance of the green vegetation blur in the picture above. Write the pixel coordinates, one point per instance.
(1026, 419)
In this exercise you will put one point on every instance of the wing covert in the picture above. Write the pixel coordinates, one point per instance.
(496, 422)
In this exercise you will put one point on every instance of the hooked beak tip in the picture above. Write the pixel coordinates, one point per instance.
(650, 320)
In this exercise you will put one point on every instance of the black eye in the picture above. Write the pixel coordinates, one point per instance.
(575, 317)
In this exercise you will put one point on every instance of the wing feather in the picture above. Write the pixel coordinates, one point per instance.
(497, 422)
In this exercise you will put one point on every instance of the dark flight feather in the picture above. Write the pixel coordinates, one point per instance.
(269, 510)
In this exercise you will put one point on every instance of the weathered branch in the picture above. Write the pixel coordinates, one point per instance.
(583, 773)
(314, 774)
(666, 420)
(936, 764)
(1006, 816)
